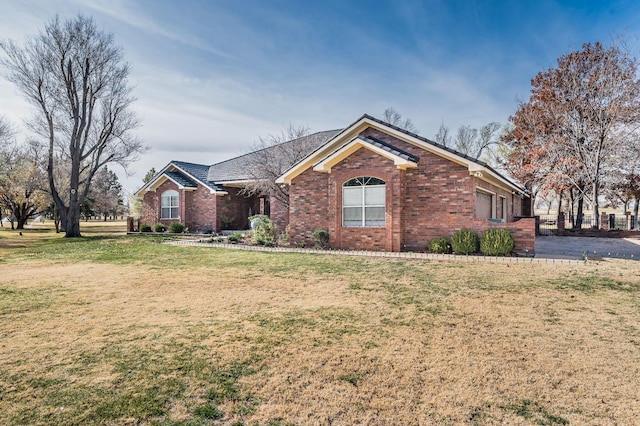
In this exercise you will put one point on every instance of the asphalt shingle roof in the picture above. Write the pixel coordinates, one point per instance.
(199, 172)
(181, 179)
(235, 169)
(389, 148)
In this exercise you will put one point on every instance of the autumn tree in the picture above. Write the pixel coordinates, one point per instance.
(571, 129)
(22, 180)
(394, 118)
(76, 78)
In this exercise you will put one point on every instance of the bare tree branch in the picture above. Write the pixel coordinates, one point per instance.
(76, 78)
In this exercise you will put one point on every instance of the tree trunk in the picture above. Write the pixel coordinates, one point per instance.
(72, 224)
(580, 212)
(572, 198)
(596, 210)
(635, 213)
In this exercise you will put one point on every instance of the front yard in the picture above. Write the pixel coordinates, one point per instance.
(123, 330)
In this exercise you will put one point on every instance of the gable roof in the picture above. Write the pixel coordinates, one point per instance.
(185, 175)
(476, 167)
(236, 169)
(229, 172)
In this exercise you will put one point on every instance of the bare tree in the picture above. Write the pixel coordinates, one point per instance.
(475, 142)
(273, 155)
(443, 136)
(394, 118)
(6, 131)
(76, 78)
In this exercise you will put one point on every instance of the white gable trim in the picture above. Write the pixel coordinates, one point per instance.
(160, 178)
(356, 143)
(348, 134)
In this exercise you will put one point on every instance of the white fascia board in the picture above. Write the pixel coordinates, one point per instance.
(356, 143)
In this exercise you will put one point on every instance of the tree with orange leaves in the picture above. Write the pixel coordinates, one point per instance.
(571, 133)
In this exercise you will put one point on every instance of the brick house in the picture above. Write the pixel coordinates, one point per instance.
(210, 198)
(372, 185)
(375, 186)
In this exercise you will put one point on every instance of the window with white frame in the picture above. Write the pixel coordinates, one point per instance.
(364, 202)
(169, 205)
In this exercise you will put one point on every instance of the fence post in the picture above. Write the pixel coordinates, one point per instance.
(604, 221)
(560, 223)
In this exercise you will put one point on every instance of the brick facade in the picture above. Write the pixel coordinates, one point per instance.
(200, 209)
(435, 199)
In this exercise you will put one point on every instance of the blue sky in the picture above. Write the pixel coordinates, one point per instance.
(211, 77)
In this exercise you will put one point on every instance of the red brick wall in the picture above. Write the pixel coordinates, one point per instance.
(364, 162)
(308, 206)
(197, 209)
(237, 206)
(151, 205)
(279, 213)
(434, 200)
(523, 231)
(201, 207)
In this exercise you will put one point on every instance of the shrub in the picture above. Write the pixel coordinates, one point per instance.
(464, 242)
(176, 228)
(264, 231)
(159, 227)
(440, 245)
(145, 227)
(321, 238)
(283, 237)
(497, 242)
(235, 237)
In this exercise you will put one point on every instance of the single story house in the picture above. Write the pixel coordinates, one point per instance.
(372, 185)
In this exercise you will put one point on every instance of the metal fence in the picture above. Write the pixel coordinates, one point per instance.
(549, 223)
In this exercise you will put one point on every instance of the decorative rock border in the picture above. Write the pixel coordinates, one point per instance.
(383, 254)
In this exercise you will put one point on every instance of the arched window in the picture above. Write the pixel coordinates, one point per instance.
(364, 202)
(169, 204)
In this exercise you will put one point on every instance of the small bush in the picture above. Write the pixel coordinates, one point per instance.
(176, 228)
(159, 227)
(464, 242)
(321, 238)
(440, 245)
(497, 242)
(264, 231)
(145, 227)
(235, 237)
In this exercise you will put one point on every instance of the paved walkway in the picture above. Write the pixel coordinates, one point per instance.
(553, 247)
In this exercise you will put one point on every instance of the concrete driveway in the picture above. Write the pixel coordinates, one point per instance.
(552, 247)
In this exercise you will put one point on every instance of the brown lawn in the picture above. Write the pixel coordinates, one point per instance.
(255, 338)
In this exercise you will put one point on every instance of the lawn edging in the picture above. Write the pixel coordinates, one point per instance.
(382, 254)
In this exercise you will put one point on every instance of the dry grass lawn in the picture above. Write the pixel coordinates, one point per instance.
(124, 330)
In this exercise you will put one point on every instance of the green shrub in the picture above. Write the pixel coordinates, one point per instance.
(464, 242)
(440, 245)
(145, 227)
(176, 228)
(160, 227)
(264, 231)
(321, 238)
(235, 237)
(497, 242)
